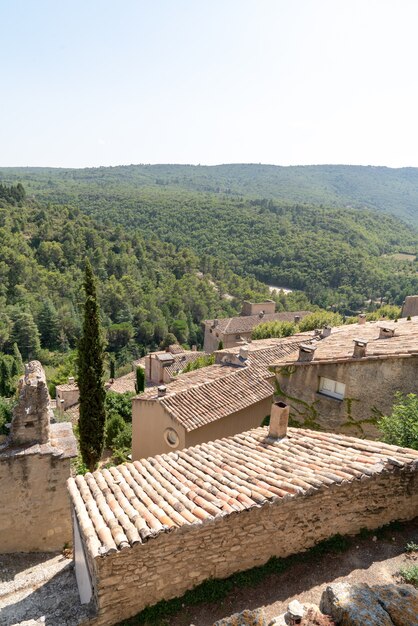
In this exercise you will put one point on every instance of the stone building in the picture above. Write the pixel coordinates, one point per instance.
(235, 331)
(346, 381)
(410, 306)
(216, 401)
(152, 529)
(67, 394)
(162, 366)
(34, 467)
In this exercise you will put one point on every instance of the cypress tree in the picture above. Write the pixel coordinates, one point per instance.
(140, 380)
(4, 378)
(90, 377)
(112, 366)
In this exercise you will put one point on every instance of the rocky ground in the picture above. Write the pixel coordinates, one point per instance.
(41, 589)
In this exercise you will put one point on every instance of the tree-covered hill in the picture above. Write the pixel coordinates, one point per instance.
(147, 288)
(394, 191)
(339, 256)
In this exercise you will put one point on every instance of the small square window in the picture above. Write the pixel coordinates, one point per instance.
(331, 388)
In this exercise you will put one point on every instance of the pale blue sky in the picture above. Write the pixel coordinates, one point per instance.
(106, 82)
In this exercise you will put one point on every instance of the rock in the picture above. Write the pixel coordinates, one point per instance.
(400, 602)
(296, 609)
(353, 605)
(246, 618)
(279, 620)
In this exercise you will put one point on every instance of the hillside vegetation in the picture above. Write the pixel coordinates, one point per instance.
(340, 257)
(148, 289)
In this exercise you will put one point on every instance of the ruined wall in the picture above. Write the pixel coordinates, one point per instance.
(165, 567)
(34, 505)
(34, 468)
(369, 393)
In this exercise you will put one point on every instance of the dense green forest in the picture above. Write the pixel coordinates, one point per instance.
(394, 191)
(340, 257)
(147, 288)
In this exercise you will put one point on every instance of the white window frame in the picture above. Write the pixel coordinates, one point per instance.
(332, 388)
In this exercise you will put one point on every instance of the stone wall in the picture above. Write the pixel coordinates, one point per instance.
(370, 386)
(165, 567)
(34, 469)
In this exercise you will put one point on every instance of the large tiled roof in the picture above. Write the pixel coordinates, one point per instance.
(124, 384)
(67, 387)
(338, 347)
(210, 393)
(181, 360)
(245, 323)
(132, 503)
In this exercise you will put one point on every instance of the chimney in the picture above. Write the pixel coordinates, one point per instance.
(317, 332)
(326, 331)
(162, 390)
(279, 419)
(71, 380)
(385, 332)
(215, 323)
(194, 348)
(360, 347)
(296, 319)
(243, 352)
(306, 352)
(261, 314)
(362, 318)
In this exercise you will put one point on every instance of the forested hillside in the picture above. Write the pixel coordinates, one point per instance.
(340, 257)
(147, 288)
(394, 191)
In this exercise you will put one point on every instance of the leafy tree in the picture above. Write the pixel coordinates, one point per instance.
(274, 329)
(112, 366)
(48, 325)
(319, 320)
(90, 377)
(25, 334)
(18, 362)
(119, 335)
(401, 426)
(168, 340)
(140, 379)
(201, 361)
(5, 378)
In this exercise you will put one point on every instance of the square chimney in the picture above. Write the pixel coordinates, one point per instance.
(279, 419)
(360, 347)
(362, 318)
(306, 352)
(386, 332)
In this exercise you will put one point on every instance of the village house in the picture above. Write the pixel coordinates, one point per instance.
(67, 394)
(162, 366)
(235, 331)
(212, 402)
(346, 381)
(152, 529)
(34, 467)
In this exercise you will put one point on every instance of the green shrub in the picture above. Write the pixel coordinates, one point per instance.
(388, 311)
(114, 426)
(120, 403)
(6, 409)
(401, 427)
(410, 574)
(274, 329)
(411, 547)
(201, 361)
(319, 320)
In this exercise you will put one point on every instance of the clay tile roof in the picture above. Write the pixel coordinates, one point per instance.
(67, 387)
(122, 506)
(245, 323)
(338, 346)
(208, 394)
(124, 383)
(181, 360)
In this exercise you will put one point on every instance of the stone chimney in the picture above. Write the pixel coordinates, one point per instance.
(296, 319)
(360, 347)
(261, 315)
(162, 390)
(326, 331)
(386, 332)
(32, 414)
(306, 352)
(71, 380)
(279, 419)
(215, 323)
(243, 352)
(362, 318)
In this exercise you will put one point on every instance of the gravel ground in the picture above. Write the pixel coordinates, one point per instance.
(41, 588)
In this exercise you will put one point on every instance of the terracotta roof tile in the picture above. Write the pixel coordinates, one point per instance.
(245, 323)
(124, 383)
(338, 346)
(129, 504)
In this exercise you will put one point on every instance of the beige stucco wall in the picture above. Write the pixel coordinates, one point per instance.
(238, 422)
(34, 504)
(165, 567)
(70, 397)
(370, 389)
(254, 308)
(149, 423)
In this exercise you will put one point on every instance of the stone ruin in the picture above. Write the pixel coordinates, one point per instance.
(34, 469)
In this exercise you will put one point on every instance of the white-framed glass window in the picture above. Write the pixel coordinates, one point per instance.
(331, 388)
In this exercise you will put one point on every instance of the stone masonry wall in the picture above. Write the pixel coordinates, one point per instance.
(165, 567)
(34, 505)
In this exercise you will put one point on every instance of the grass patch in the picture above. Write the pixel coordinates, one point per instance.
(410, 574)
(411, 547)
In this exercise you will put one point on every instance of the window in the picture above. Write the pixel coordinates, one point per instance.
(171, 437)
(331, 388)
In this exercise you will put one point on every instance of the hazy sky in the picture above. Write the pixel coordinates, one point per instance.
(98, 82)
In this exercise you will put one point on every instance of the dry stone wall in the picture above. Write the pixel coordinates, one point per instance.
(165, 567)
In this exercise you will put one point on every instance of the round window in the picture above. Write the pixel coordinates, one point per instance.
(172, 437)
